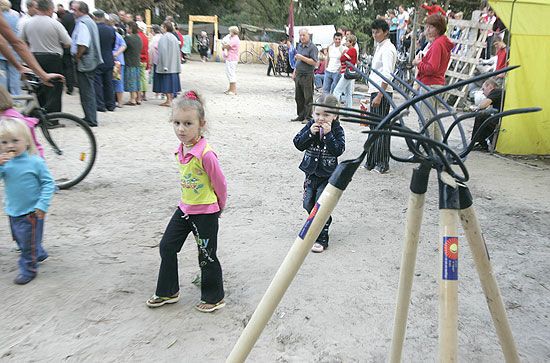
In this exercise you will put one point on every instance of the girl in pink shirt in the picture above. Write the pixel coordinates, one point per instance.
(203, 197)
(7, 110)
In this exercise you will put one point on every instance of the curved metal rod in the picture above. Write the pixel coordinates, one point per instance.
(498, 115)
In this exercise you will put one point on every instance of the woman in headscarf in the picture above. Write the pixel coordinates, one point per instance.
(167, 73)
(132, 63)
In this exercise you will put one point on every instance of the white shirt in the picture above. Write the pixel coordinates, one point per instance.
(402, 20)
(334, 54)
(383, 60)
(81, 36)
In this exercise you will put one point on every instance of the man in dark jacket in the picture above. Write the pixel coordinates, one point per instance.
(104, 92)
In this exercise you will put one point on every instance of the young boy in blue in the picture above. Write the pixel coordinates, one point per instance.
(323, 140)
(29, 187)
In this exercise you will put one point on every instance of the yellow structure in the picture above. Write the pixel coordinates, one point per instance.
(205, 19)
(528, 86)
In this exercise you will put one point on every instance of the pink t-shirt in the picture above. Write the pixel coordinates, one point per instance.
(233, 51)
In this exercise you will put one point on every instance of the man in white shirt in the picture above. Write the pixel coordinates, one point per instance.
(332, 70)
(383, 60)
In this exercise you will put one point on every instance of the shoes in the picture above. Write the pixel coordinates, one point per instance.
(318, 248)
(380, 169)
(210, 307)
(156, 301)
(111, 109)
(42, 258)
(481, 147)
(101, 110)
(230, 93)
(69, 92)
(297, 119)
(130, 104)
(23, 280)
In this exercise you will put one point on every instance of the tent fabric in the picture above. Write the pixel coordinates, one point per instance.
(527, 86)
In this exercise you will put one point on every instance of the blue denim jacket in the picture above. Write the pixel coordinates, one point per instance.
(321, 156)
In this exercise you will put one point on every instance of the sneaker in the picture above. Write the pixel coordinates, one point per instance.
(22, 279)
(296, 119)
(318, 248)
(156, 301)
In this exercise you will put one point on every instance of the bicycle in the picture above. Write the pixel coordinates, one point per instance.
(251, 55)
(404, 69)
(72, 146)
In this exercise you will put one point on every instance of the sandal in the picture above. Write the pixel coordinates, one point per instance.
(130, 103)
(156, 301)
(210, 307)
(317, 248)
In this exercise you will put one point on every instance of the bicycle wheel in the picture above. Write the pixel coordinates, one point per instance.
(69, 146)
(246, 57)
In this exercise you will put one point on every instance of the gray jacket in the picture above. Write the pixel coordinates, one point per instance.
(92, 57)
(169, 54)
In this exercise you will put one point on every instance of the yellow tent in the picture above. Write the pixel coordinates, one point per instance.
(528, 86)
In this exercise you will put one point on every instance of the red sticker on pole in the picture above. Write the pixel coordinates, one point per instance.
(450, 258)
(306, 226)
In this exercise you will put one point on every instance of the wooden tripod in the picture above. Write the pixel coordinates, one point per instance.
(455, 201)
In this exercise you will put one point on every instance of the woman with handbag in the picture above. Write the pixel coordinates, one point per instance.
(346, 82)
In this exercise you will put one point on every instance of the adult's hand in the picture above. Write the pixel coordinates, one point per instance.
(49, 77)
(377, 100)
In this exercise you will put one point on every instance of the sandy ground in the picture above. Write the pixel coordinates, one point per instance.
(88, 301)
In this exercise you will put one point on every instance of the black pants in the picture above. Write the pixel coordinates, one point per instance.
(270, 67)
(104, 92)
(303, 94)
(313, 188)
(68, 70)
(379, 153)
(50, 97)
(205, 229)
(486, 132)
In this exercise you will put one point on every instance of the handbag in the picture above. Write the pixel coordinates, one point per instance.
(351, 74)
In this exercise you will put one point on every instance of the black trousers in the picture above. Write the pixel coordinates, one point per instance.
(270, 66)
(487, 131)
(313, 188)
(68, 70)
(50, 97)
(205, 229)
(104, 92)
(303, 94)
(379, 153)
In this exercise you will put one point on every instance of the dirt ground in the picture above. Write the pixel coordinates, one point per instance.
(88, 301)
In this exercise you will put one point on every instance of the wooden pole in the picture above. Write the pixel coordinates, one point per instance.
(286, 273)
(473, 233)
(448, 279)
(408, 261)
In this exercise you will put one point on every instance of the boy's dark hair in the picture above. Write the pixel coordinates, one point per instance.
(380, 24)
(337, 34)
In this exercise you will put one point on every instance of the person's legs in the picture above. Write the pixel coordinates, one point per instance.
(307, 88)
(68, 70)
(50, 97)
(87, 96)
(14, 81)
(299, 97)
(205, 230)
(99, 92)
(108, 89)
(174, 236)
(335, 81)
(318, 188)
(28, 231)
(318, 80)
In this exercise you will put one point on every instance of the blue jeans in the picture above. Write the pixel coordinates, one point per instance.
(330, 82)
(10, 78)
(345, 86)
(86, 89)
(27, 231)
(318, 80)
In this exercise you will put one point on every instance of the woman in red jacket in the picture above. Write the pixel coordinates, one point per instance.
(432, 67)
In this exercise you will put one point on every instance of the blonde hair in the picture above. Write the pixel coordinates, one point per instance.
(5, 5)
(6, 102)
(233, 29)
(12, 127)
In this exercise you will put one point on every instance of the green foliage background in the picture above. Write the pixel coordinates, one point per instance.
(355, 14)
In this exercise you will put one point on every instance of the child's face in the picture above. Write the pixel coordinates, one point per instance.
(187, 125)
(321, 116)
(13, 145)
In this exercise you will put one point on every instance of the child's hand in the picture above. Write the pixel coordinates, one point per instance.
(40, 214)
(326, 127)
(314, 129)
(5, 157)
